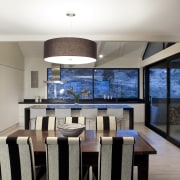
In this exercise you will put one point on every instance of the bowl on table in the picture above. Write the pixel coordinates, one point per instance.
(71, 130)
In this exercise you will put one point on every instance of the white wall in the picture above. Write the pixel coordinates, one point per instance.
(35, 64)
(11, 83)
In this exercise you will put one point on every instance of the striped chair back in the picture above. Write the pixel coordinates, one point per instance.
(45, 123)
(17, 158)
(63, 155)
(79, 119)
(116, 158)
(106, 123)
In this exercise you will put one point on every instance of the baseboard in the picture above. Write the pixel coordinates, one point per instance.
(10, 129)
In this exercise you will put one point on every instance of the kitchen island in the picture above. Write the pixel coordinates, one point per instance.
(77, 107)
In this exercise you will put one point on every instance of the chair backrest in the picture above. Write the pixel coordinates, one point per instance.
(63, 155)
(78, 119)
(118, 112)
(62, 113)
(17, 158)
(45, 123)
(33, 114)
(106, 123)
(116, 158)
(37, 112)
(89, 113)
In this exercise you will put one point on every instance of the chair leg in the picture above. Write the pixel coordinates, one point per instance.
(85, 173)
(94, 173)
(41, 172)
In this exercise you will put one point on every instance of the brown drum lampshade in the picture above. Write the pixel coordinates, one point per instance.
(70, 51)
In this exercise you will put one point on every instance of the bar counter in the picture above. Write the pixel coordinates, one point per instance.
(79, 107)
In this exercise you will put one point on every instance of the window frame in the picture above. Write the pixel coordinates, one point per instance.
(93, 78)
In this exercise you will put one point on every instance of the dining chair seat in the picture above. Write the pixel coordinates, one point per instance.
(63, 156)
(17, 158)
(116, 158)
(77, 119)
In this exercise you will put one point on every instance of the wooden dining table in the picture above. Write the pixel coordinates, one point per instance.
(90, 147)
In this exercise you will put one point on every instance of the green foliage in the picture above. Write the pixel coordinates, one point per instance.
(76, 96)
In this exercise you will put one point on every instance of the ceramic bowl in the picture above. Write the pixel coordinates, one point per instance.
(71, 130)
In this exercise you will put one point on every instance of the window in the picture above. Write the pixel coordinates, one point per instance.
(91, 83)
(79, 80)
(157, 80)
(155, 47)
(116, 83)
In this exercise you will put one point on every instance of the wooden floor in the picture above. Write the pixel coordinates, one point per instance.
(165, 165)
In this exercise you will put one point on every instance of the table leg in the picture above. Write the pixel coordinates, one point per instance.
(142, 161)
(89, 159)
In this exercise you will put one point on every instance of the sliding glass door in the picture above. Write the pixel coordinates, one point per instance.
(174, 100)
(158, 96)
(162, 92)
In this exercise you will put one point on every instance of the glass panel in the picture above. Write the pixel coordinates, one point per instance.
(116, 83)
(158, 94)
(174, 106)
(155, 47)
(78, 80)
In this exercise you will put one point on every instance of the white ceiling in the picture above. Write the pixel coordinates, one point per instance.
(33, 21)
(124, 20)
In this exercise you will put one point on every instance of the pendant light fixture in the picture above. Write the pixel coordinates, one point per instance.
(70, 50)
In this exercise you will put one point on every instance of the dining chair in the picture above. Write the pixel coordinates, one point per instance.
(79, 119)
(61, 113)
(90, 115)
(118, 113)
(63, 158)
(106, 123)
(17, 158)
(33, 114)
(103, 123)
(45, 123)
(116, 158)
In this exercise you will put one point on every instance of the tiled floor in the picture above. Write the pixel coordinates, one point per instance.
(165, 165)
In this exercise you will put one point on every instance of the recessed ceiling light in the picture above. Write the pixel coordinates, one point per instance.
(70, 14)
(101, 56)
